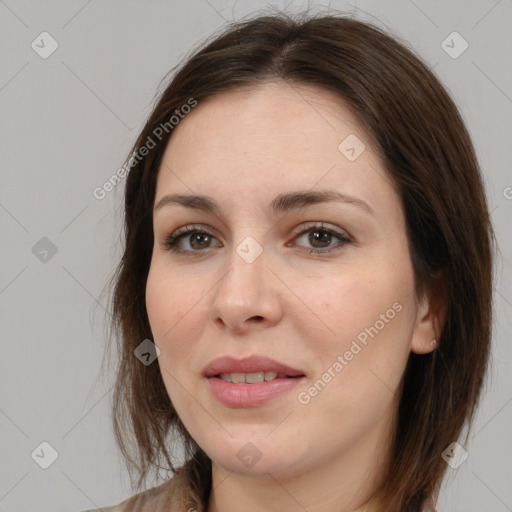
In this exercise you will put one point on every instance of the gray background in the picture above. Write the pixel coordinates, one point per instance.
(67, 123)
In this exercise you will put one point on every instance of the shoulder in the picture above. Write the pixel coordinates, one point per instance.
(156, 499)
(431, 508)
(428, 506)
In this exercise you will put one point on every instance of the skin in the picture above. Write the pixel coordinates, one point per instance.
(244, 148)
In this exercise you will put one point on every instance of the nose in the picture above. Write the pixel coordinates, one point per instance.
(247, 297)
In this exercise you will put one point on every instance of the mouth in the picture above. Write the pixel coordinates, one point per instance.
(254, 377)
(250, 369)
(244, 394)
(250, 381)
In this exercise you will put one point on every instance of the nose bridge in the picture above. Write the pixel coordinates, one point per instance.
(246, 277)
(246, 290)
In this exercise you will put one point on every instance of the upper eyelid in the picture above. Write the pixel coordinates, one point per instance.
(173, 239)
(304, 227)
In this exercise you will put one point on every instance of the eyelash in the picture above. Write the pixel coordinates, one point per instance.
(171, 241)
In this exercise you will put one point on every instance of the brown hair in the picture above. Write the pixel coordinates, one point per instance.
(430, 159)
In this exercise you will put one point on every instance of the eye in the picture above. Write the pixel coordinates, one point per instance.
(198, 239)
(320, 237)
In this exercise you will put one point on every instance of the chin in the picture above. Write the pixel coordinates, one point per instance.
(255, 456)
(252, 467)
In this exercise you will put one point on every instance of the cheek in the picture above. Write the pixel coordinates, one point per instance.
(374, 349)
(367, 307)
(174, 308)
(165, 304)
(160, 302)
(345, 304)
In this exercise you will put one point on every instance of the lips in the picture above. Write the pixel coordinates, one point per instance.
(251, 364)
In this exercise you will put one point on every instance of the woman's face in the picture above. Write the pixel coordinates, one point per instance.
(246, 283)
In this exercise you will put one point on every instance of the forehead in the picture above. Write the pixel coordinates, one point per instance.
(268, 139)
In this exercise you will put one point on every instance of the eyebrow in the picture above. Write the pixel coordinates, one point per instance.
(283, 203)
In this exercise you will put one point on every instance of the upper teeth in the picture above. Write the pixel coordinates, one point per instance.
(250, 378)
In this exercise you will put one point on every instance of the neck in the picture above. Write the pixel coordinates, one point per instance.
(345, 482)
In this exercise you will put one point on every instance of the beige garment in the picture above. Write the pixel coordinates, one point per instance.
(171, 496)
(153, 500)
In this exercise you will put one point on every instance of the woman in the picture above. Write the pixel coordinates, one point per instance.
(309, 254)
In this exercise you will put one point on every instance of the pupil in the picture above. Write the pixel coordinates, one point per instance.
(198, 237)
(315, 237)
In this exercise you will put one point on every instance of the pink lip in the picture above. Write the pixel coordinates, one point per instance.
(250, 364)
(249, 395)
